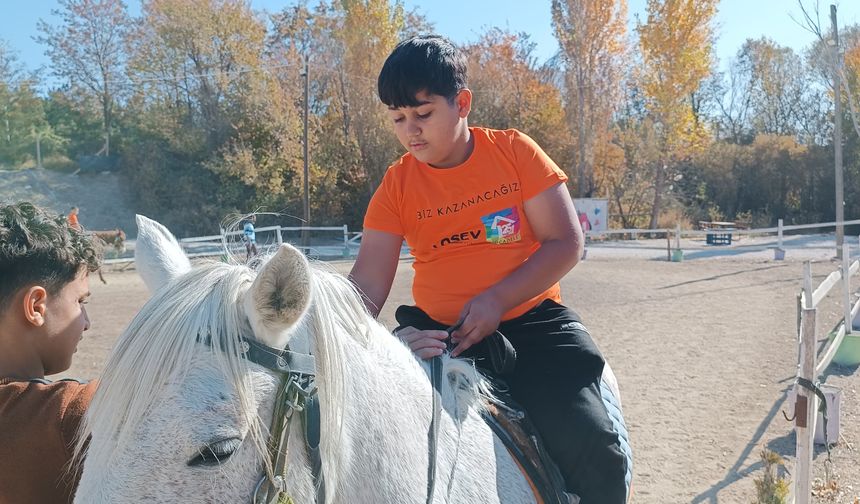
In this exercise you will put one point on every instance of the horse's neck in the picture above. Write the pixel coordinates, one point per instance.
(387, 412)
(387, 407)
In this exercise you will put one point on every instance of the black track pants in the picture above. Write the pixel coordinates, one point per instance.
(556, 379)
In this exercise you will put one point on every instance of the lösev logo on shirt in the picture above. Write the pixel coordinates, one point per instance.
(465, 236)
(503, 226)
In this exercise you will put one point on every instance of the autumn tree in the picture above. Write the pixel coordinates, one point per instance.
(676, 43)
(364, 52)
(511, 90)
(87, 49)
(592, 38)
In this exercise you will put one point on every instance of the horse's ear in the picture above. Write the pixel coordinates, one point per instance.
(157, 255)
(279, 296)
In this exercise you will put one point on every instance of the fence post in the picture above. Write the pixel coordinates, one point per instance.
(779, 234)
(279, 237)
(224, 242)
(668, 246)
(846, 288)
(345, 242)
(805, 402)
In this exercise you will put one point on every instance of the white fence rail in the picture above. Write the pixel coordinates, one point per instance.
(227, 242)
(345, 243)
(811, 366)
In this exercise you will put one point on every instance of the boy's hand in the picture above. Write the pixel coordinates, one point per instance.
(424, 344)
(480, 316)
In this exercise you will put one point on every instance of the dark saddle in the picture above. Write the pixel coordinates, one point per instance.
(512, 426)
(507, 419)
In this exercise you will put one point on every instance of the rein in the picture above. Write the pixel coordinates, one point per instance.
(433, 431)
(297, 393)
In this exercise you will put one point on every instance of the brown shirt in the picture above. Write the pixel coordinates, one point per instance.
(38, 421)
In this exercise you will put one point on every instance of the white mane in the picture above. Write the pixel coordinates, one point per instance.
(162, 340)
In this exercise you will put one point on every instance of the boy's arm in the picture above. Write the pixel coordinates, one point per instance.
(553, 220)
(374, 269)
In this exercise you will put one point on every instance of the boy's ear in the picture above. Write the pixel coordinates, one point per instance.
(35, 305)
(463, 100)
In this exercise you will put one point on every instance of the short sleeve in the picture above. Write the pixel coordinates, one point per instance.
(536, 170)
(383, 211)
(80, 396)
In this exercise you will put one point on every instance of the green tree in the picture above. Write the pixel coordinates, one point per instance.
(88, 50)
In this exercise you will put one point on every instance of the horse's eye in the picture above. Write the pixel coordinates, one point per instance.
(215, 453)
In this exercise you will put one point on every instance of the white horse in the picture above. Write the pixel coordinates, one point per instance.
(180, 416)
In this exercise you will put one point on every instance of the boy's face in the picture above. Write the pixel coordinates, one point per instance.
(436, 131)
(65, 322)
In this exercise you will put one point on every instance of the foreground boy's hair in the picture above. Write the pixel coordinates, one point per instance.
(38, 248)
(423, 63)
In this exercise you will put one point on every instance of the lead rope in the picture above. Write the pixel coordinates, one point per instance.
(433, 431)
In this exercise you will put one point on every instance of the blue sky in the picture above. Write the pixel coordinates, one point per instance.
(464, 20)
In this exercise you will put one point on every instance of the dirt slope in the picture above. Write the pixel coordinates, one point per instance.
(103, 199)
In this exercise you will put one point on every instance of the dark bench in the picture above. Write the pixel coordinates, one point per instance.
(719, 233)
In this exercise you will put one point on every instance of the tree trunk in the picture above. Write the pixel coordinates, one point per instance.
(106, 118)
(582, 190)
(38, 150)
(659, 183)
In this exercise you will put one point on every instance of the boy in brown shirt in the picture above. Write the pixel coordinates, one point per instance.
(43, 289)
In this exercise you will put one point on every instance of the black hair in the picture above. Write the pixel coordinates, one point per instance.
(429, 63)
(40, 249)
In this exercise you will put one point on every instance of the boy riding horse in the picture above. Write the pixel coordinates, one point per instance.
(490, 222)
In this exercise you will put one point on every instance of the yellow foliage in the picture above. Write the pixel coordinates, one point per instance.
(591, 34)
(510, 93)
(676, 43)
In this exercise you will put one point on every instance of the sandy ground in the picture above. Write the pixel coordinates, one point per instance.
(704, 349)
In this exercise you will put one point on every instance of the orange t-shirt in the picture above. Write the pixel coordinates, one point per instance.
(73, 221)
(465, 225)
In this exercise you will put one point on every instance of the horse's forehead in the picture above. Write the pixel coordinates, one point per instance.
(207, 384)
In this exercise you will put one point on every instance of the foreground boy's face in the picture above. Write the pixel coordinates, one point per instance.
(435, 131)
(65, 322)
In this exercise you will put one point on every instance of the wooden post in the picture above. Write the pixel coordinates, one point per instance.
(846, 288)
(837, 132)
(279, 237)
(805, 403)
(668, 246)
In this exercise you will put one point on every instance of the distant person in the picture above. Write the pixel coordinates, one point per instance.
(73, 219)
(44, 267)
(249, 236)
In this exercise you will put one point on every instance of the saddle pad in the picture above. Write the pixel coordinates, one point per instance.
(613, 408)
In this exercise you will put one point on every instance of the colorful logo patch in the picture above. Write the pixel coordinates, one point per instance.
(503, 226)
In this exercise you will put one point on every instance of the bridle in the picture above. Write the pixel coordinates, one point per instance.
(297, 393)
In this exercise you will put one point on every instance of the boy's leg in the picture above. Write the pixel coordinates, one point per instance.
(557, 380)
